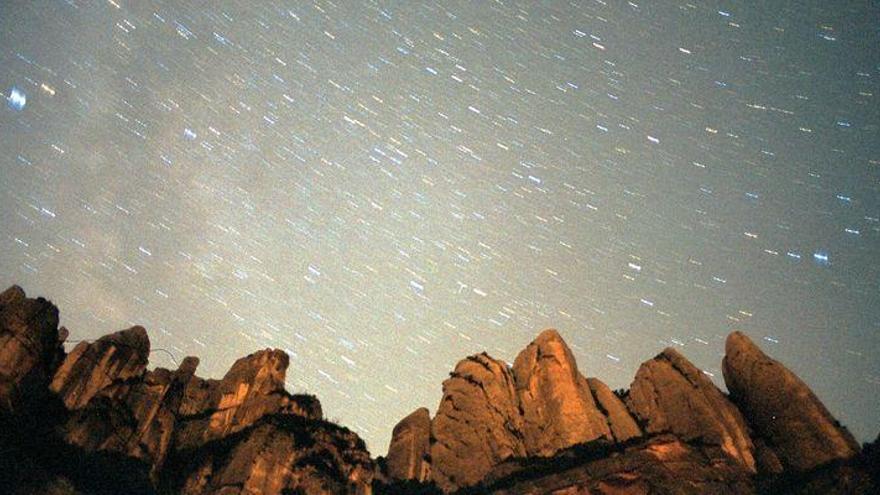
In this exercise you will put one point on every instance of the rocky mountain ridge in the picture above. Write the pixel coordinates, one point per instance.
(542, 427)
(96, 420)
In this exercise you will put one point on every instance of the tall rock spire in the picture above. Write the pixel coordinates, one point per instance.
(782, 408)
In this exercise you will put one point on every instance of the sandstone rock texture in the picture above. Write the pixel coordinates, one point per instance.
(99, 421)
(495, 424)
(621, 423)
(669, 394)
(491, 412)
(782, 409)
(281, 454)
(410, 449)
(478, 423)
(90, 368)
(557, 410)
(107, 424)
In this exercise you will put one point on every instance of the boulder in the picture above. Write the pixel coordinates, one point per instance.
(782, 408)
(669, 394)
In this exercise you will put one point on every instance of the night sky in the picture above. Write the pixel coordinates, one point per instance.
(383, 189)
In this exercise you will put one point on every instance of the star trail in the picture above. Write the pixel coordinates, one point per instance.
(383, 188)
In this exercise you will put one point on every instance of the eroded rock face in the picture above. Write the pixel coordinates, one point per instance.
(557, 411)
(251, 389)
(621, 423)
(782, 409)
(134, 418)
(671, 394)
(410, 448)
(30, 346)
(478, 423)
(108, 425)
(281, 454)
(92, 367)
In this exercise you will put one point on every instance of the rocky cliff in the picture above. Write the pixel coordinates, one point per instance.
(98, 420)
(541, 427)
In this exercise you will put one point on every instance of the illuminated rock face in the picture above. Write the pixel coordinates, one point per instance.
(410, 449)
(477, 425)
(495, 424)
(671, 394)
(91, 368)
(491, 412)
(97, 420)
(782, 409)
(557, 406)
(621, 423)
(131, 430)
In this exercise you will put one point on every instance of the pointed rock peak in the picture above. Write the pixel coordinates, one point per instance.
(672, 355)
(557, 405)
(419, 416)
(548, 345)
(782, 408)
(669, 393)
(548, 335)
(738, 342)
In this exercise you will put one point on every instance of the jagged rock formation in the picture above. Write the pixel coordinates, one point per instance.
(782, 409)
(490, 413)
(541, 427)
(557, 405)
(98, 421)
(251, 389)
(280, 454)
(671, 394)
(108, 425)
(90, 368)
(409, 455)
(478, 423)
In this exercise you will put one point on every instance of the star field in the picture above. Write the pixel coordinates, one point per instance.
(382, 189)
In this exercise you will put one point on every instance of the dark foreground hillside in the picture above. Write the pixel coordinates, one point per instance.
(97, 421)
